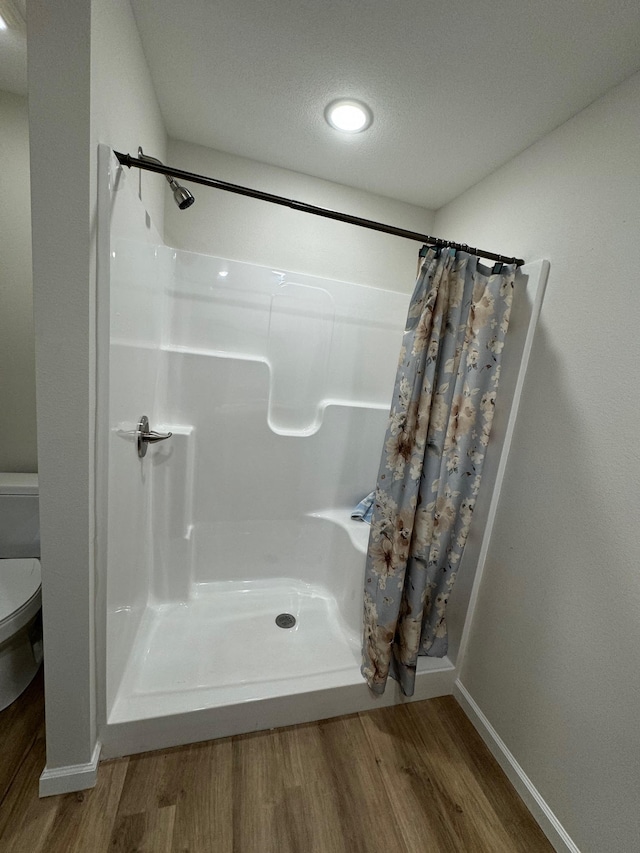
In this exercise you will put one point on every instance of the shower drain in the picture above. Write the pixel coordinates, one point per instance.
(285, 620)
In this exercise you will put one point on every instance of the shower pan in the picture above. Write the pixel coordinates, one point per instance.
(231, 571)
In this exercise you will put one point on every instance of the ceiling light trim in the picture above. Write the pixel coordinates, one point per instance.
(342, 115)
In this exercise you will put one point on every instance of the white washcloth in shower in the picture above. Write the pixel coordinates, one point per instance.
(364, 510)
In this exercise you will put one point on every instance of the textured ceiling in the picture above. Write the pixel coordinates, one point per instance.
(457, 88)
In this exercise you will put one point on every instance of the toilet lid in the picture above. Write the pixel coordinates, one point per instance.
(19, 582)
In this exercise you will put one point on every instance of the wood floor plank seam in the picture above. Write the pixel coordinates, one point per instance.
(18, 766)
(506, 801)
(465, 785)
(409, 782)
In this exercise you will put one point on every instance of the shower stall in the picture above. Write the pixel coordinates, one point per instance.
(230, 571)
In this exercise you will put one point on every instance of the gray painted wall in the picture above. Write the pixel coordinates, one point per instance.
(553, 653)
(18, 450)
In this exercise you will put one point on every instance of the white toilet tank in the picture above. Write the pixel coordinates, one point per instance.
(19, 517)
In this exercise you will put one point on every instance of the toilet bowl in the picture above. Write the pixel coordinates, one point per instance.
(20, 619)
(20, 627)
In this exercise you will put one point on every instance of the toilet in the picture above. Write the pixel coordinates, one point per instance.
(20, 620)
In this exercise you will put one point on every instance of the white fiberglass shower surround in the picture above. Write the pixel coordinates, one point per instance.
(275, 387)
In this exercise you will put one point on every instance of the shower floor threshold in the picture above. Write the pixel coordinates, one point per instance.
(223, 646)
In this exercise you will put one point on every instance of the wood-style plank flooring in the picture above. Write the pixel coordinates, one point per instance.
(396, 780)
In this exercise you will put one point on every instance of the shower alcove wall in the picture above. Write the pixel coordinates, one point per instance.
(276, 387)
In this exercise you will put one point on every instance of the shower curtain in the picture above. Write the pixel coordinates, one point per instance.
(429, 476)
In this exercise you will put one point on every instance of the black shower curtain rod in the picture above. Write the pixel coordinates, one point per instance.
(128, 160)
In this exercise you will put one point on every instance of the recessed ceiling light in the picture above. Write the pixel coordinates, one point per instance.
(348, 116)
(3, 23)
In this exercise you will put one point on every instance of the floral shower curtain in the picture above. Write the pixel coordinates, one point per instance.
(438, 430)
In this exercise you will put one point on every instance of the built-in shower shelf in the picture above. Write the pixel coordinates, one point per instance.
(357, 531)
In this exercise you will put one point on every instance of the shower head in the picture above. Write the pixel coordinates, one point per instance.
(181, 195)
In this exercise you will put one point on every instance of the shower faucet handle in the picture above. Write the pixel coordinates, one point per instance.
(145, 436)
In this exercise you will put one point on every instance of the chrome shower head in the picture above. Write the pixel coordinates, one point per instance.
(181, 195)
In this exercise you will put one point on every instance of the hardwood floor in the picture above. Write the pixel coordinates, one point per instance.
(395, 780)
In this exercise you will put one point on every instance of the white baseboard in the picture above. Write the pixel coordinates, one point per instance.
(71, 777)
(545, 818)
